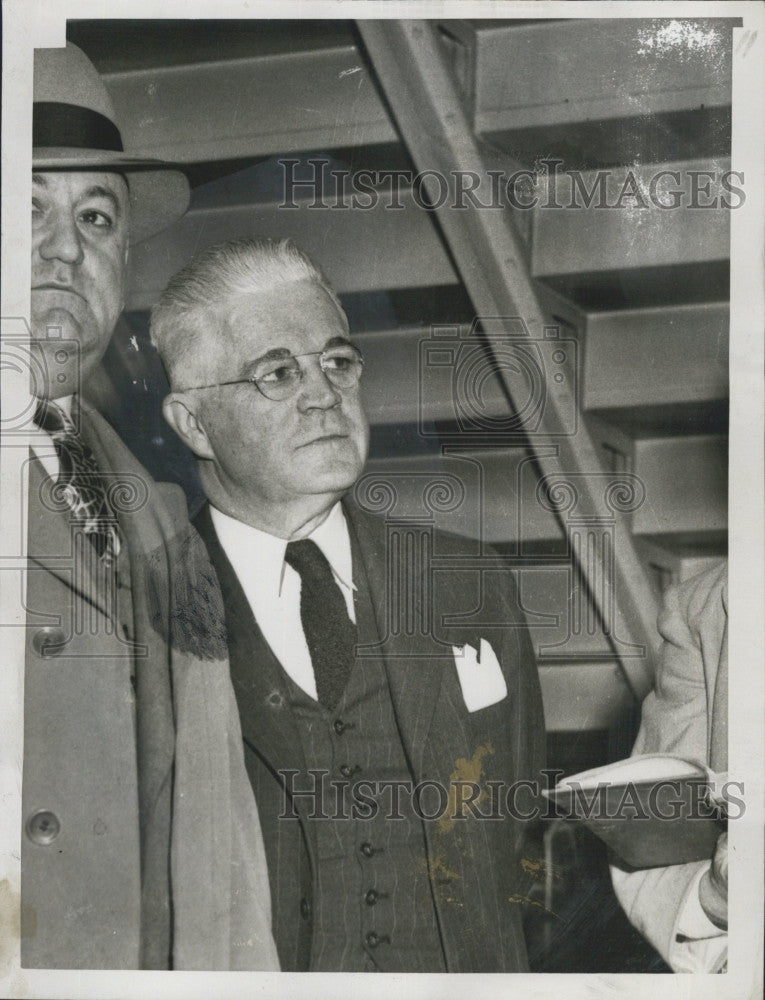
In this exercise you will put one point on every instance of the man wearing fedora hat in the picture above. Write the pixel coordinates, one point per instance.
(141, 844)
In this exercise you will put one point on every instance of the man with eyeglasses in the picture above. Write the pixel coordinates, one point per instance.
(356, 739)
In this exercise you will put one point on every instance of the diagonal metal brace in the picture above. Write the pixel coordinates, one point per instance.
(424, 100)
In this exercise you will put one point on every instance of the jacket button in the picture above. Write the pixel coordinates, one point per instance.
(371, 897)
(43, 827)
(373, 939)
(347, 770)
(339, 726)
(366, 849)
(305, 908)
(48, 641)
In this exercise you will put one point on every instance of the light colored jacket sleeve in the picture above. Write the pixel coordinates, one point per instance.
(221, 898)
(677, 719)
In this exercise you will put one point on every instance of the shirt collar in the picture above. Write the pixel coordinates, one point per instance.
(331, 536)
(64, 403)
(334, 541)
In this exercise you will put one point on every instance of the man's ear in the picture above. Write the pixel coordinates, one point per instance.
(180, 413)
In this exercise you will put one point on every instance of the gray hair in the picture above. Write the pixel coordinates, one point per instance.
(185, 310)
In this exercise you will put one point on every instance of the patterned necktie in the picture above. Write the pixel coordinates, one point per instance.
(329, 632)
(80, 485)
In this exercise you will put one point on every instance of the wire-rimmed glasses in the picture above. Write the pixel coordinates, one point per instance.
(278, 378)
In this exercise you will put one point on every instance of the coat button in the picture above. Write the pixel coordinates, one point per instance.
(348, 770)
(48, 641)
(43, 827)
(373, 939)
(339, 726)
(366, 849)
(305, 908)
(371, 897)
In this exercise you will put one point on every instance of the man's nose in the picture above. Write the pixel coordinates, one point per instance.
(61, 239)
(316, 390)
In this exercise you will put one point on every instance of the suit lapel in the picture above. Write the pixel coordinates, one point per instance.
(415, 663)
(268, 727)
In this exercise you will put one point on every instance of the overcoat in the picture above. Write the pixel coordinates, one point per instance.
(141, 844)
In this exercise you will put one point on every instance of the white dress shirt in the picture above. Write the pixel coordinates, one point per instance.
(272, 587)
(698, 946)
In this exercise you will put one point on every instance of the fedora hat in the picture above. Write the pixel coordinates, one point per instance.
(74, 128)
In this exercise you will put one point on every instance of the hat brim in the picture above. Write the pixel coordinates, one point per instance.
(159, 192)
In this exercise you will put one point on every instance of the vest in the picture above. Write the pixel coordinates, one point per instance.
(372, 900)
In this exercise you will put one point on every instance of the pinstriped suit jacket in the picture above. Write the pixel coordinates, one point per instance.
(474, 864)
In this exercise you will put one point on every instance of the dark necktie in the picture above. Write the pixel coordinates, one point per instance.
(329, 632)
(80, 485)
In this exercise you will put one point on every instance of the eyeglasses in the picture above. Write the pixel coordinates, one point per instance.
(279, 378)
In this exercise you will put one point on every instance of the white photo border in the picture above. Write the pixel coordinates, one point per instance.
(34, 23)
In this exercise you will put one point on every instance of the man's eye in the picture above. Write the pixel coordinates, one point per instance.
(337, 364)
(341, 361)
(93, 217)
(283, 373)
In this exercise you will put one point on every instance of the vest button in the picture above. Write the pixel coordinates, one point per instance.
(373, 939)
(366, 849)
(347, 770)
(48, 641)
(339, 726)
(305, 908)
(43, 827)
(371, 897)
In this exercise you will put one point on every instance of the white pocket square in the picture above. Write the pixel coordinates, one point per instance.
(481, 677)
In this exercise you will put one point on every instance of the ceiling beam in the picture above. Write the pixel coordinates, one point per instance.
(408, 59)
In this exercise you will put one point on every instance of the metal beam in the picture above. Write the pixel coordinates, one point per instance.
(499, 503)
(687, 481)
(522, 77)
(391, 242)
(649, 357)
(425, 102)
(599, 699)
(360, 250)
(623, 218)
(240, 108)
(548, 73)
